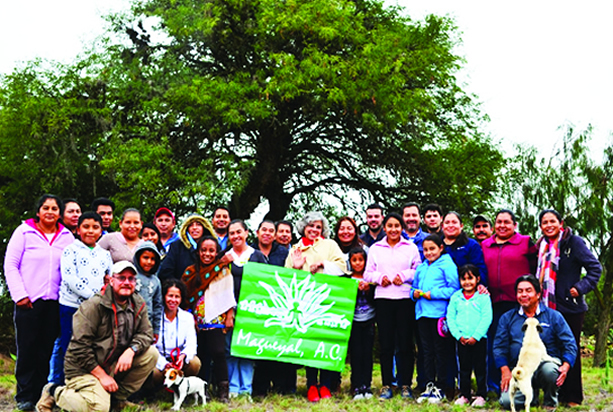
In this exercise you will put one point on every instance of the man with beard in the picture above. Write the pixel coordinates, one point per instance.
(374, 220)
(433, 218)
(482, 228)
(221, 221)
(110, 353)
(412, 219)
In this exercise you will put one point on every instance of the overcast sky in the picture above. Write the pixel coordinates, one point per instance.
(535, 65)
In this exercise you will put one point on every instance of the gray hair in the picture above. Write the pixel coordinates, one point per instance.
(310, 218)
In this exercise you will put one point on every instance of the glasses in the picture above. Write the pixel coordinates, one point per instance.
(122, 279)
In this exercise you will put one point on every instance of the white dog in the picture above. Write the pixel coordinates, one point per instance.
(183, 386)
(532, 353)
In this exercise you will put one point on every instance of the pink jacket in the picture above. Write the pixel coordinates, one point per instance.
(32, 263)
(402, 259)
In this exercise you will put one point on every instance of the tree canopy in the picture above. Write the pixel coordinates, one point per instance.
(243, 101)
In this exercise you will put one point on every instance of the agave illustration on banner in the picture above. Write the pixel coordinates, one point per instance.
(300, 305)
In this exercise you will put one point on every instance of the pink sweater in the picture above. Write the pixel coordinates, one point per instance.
(384, 260)
(32, 263)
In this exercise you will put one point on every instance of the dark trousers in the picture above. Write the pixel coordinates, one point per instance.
(572, 389)
(35, 333)
(361, 343)
(329, 379)
(437, 352)
(396, 321)
(212, 345)
(493, 373)
(472, 357)
(282, 376)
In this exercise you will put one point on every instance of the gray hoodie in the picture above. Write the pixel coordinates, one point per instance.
(148, 285)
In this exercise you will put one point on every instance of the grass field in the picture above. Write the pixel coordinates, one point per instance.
(598, 394)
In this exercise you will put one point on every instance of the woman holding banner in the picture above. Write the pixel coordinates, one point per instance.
(316, 253)
(213, 311)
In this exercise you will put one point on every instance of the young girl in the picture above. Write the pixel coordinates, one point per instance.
(469, 316)
(363, 330)
(435, 281)
(147, 262)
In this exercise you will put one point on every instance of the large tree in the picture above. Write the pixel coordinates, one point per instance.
(581, 189)
(278, 100)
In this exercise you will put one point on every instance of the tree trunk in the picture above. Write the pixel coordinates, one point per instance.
(604, 319)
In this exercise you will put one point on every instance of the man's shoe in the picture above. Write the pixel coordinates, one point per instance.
(406, 392)
(324, 393)
(313, 394)
(436, 396)
(223, 389)
(26, 406)
(425, 395)
(386, 393)
(46, 401)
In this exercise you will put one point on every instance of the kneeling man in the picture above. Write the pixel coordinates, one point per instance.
(110, 353)
(556, 336)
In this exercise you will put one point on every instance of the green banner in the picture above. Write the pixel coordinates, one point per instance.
(294, 316)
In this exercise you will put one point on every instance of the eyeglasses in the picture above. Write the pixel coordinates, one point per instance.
(122, 279)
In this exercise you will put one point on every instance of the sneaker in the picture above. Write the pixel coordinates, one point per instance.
(26, 406)
(425, 395)
(358, 394)
(478, 402)
(313, 394)
(367, 392)
(386, 393)
(461, 401)
(233, 395)
(406, 392)
(436, 396)
(46, 401)
(324, 392)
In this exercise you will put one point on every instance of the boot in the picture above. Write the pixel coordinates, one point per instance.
(223, 389)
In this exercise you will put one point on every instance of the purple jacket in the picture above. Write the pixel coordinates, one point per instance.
(506, 262)
(383, 259)
(32, 263)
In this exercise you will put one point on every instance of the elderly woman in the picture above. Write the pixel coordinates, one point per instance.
(122, 245)
(177, 335)
(315, 253)
(32, 271)
(561, 258)
(183, 252)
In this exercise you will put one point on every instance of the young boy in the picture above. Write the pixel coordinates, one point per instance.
(363, 330)
(84, 266)
(147, 261)
(469, 316)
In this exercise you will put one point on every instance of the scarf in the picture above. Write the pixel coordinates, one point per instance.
(548, 264)
(198, 283)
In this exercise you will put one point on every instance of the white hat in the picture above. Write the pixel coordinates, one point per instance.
(122, 265)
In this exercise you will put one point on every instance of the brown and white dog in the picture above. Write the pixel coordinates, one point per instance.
(532, 353)
(183, 386)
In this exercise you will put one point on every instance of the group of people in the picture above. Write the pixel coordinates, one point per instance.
(101, 315)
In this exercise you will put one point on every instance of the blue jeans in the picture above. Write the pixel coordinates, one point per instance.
(56, 365)
(240, 370)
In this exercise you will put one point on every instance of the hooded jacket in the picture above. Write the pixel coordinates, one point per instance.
(440, 278)
(182, 253)
(149, 286)
(96, 333)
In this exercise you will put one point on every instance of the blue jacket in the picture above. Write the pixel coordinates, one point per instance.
(574, 256)
(278, 253)
(469, 318)
(418, 239)
(556, 336)
(441, 280)
(466, 250)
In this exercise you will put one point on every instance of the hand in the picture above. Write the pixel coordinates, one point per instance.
(180, 362)
(229, 323)
(316, 266)
(563, 370)
(471, 341)
(574, 292)
(482, 289)
(298, 259)
(398, 280)
(428, 295)
(363, 285)
(463, 340)
(505, 378)
(24, 303)
(385, 281)
(108, 383)
(227, 258)
(124, 362)
(417, 293)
